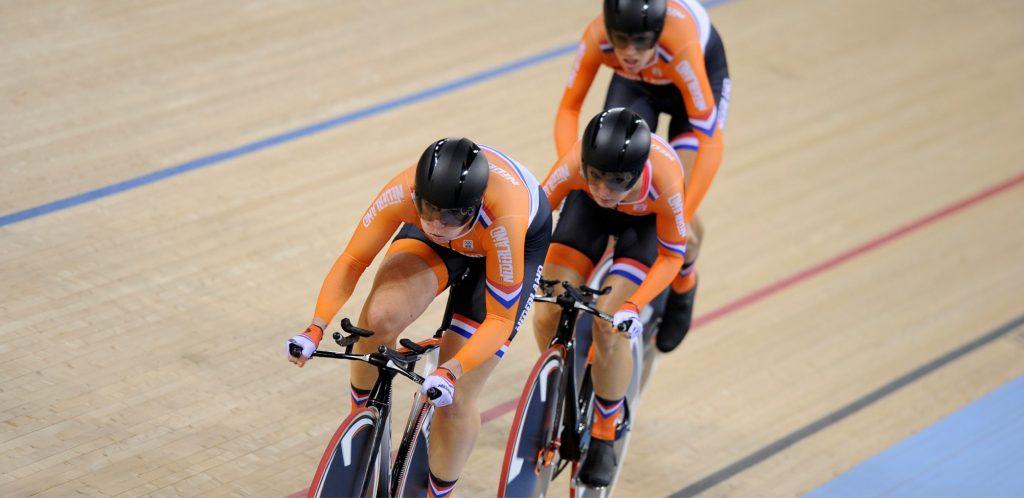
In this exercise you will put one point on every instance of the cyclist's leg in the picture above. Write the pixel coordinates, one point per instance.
(413, 272)
(454, 428)
(635, 250)
(576, 246)
(633, 95)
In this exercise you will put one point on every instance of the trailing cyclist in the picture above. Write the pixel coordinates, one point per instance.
(667, 58)
(618, 180)
(469, 218)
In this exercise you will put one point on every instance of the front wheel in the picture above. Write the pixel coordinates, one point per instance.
(349, 466)
(530, 454)
(410, 470)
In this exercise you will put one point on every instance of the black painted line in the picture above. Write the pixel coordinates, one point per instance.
(772, 449)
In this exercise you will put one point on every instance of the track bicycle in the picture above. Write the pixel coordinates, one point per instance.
(357, 461)
(551, 428)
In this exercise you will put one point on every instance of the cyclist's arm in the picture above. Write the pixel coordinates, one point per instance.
(564, 177)
(584, 67)
(671, 249)
(374, 229)
(504, 291)
(690, 76)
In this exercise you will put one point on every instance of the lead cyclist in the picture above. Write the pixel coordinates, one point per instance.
(471, 219)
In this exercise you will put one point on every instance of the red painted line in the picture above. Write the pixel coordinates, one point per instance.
(780, 285)
(860, 250)
(499, 410)
(771, 289)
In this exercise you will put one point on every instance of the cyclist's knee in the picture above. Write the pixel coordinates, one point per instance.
(385, 320)
(696, 229)
(605, 337)
(545, 319)
(694, 238)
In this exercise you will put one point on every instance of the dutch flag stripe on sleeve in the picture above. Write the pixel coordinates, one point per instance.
(506, 295)
(676, 248)
(631, 269)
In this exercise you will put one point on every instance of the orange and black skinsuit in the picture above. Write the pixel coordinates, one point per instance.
(649, 226)
(688, 79)
(501, 256)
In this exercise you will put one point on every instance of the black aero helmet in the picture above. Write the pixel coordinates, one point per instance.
(451, 177)
(615, 147)
(639, 20)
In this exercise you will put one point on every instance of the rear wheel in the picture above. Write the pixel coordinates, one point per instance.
(530, 454)
(349, 466)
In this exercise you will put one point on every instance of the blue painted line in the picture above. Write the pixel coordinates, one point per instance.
(249, 148)
(976, 451)
(288, 136)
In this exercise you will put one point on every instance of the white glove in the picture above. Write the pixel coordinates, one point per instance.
(629, 316)
(444, 381)
(303, 341)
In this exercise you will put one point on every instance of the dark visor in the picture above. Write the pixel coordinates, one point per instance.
(643, 41)
(614, 180)
(455, 217)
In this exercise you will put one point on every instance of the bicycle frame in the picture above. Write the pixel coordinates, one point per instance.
(556, 425)
(561, 422)
(374, 475)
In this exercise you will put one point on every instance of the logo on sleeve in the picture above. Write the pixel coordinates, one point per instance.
(503, 248)
(393, 195)
(676, 203)
(504, 174)
(529, 299)
(580, 50)
(690, 78)
(558, 176)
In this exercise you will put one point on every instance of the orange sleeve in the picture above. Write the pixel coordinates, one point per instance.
(690, 76)
(584, 68)
(375, 227)
(564, 177)
(504, 290)
(671, 249)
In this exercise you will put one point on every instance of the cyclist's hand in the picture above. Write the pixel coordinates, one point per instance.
(444, 380)
(627, 319)
(308, 341)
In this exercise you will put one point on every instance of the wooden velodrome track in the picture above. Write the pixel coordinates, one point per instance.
(853, 252)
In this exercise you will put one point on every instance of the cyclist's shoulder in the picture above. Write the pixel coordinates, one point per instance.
(663, 157)
(510, 187)
(504, 170)
(594, 31)
(684, 21)
(666, 168)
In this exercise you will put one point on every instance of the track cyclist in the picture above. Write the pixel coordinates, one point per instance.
(618, 180)
(667, 58)
(462, 209)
